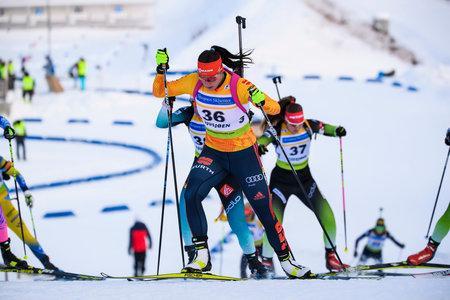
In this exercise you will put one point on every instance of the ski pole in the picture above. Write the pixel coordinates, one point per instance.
(32, 223)
(276, 80)
(174, 173)
(343, 195)
(164, 189)
(302, 189)
(241, 25)
(437, 196)
(18, 202)
(169, 102)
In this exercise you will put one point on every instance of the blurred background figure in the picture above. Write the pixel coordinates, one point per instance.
(21, 133)
(140, 241)
(81, 72)
(50, 75)
(375, 242)
(11, 75)
(28, 85)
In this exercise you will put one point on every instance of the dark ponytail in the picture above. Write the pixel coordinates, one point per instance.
(233, 61)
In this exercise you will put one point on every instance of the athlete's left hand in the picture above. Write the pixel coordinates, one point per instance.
(257, 96)
(262, 149)
(28, 198)
(340, 131)
(402, 246)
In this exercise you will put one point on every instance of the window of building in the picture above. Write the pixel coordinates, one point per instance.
(78, 9)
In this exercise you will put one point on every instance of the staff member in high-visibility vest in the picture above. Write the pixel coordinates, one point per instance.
(81, 71)
(21, 133)
(27, 86)
(11, 75)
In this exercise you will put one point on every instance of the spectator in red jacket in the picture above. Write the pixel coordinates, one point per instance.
(140, 240)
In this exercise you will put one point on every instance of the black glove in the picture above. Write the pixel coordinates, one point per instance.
(402, 246)
(340, 131)
(169, 101)
(9, 133)
(262, 149)
(355, 254)
(447, 138)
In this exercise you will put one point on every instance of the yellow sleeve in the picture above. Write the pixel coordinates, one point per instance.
(271, 106)
(183, 85)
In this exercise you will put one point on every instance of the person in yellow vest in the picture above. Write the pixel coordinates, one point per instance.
(11, 75)
(81, 71)
(27, 86)
(21, 133)
(3, 70)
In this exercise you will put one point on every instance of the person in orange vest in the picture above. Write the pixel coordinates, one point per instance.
(140, 240)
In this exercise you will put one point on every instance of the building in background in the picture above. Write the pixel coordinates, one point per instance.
(79, 13)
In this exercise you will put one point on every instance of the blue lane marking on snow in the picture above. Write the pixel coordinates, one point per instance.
(125, 123)
(115, 208)
(59, 214)
(311, 77)
(396, 84)
(346, 78)
(412, 89)
(78, 121)
(33, 120)
(155, 160)
(159, 202)
(374, 80)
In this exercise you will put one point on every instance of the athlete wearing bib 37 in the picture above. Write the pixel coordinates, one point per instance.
(295, 135)
(222, 99)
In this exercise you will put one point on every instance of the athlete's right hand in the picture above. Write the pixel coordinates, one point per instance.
(9, 133)
(162, 58)
(355, 254)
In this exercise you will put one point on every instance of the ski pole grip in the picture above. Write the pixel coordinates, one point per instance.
(276, 79)
(240, 20)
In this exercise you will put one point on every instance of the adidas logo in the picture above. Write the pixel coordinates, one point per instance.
(259, 196)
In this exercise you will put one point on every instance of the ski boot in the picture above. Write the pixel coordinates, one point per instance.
(45, 260)
(425, 255)
(292, 268)
(9, 258)
(332, 262)
(202, 259)
(268, 263)
(257, 269)
(190, 251)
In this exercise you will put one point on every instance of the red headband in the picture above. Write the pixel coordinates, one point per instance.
(295, 118)
(210, 69)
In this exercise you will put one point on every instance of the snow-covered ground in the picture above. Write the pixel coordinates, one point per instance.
(393, 154)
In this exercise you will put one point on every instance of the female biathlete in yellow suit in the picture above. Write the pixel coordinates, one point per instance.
(222, 99)
(11, 215)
